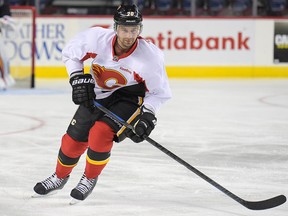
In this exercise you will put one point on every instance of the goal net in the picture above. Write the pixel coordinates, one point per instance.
(20, 46)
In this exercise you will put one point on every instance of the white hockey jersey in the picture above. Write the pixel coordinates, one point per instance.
(143, 63)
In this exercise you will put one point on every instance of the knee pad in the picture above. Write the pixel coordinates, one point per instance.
(72, 148)
(101, 137)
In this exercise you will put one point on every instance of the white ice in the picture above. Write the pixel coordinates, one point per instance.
(234, 131)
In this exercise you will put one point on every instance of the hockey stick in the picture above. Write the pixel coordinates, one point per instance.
(253, 205)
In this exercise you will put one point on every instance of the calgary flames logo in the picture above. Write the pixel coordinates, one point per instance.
(108, 78)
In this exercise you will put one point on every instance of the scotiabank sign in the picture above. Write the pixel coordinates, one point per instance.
(195, 42)
(190, 42)
(208, 42)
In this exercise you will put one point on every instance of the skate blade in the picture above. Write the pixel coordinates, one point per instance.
(35, 195)
(74, 201)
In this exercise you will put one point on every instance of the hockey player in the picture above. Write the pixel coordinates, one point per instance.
(128, 77)
(5, 22)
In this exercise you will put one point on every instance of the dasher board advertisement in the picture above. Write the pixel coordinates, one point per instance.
(281, 42)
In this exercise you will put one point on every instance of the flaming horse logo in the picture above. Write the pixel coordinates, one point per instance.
(108, 78)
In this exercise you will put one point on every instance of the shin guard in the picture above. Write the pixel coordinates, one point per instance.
(69, 155)
(100, 144)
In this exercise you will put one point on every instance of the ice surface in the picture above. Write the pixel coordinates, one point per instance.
(234, 131)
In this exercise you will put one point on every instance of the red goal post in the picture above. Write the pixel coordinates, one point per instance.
(21, 46)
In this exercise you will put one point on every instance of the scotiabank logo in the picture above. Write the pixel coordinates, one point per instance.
(167, 41)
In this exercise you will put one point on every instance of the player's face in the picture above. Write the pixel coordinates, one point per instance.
(127, 35)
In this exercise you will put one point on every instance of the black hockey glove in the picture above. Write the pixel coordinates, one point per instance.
(83, 90)
(144, 127)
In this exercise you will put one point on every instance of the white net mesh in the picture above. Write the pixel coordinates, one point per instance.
(20, 45)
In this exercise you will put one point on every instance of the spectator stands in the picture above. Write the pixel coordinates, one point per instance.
(164, 7)
(276, 7)
(215, 7)
(86, 6)
(241, 7)
(195, 8)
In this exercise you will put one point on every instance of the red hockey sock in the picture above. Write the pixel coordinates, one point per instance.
(69, 155)
(100, 143)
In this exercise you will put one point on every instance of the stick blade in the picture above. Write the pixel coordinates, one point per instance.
(265, 204)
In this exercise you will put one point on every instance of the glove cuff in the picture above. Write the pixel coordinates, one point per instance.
(76, 73)
(147, 108)
(149, 118)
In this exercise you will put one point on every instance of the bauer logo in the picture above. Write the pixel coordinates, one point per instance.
(281, 42)
(80, 81)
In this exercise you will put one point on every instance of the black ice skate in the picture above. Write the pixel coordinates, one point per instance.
(83, 188)
(50, 184)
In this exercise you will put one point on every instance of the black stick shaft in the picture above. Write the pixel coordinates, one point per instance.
(260, 205)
